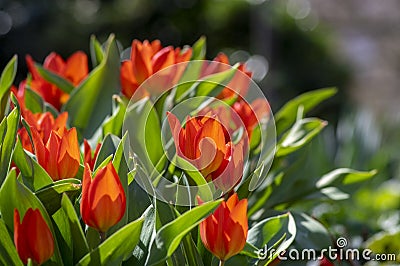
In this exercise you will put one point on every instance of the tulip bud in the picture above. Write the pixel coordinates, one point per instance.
(103, 198)
(224, 232)
(32, 237)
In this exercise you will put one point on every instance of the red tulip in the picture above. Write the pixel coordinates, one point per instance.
(148, 58)
(32, 237)
(251, 114)
(103, 198)
(202, 142)
(44, 123)
(90, 158)
(224, 232)
(239, 84)
(20, 94)
(59, 156)
(74, 69)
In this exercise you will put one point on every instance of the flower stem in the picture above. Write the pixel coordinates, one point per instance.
(221, 262)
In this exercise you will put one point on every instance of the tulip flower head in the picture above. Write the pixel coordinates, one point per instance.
(224, 232)
(239, 84)
(32, 237)
(205, 143)
(202, 142)
(60, 155)
(148, 58)
(44, 123)
(103, 198)
(251, 114)
(74, 70)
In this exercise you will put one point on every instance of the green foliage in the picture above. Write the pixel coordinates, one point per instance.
(116, 248)
(6, 80)
(8, 253)
(14, 195)
(153, 230)
(89, 103)
(55, 79)
(8, 133)
(170, 235)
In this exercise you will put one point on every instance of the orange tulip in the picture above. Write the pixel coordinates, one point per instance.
(202, 142)
(224, 232)
(20, 94)
(148, 58)
(251, 114)
(90, 158)
(230, 172)
(59, 156)
(74, 69)
(32, 237)
(44, 123)
(103, 198)
(239, 82)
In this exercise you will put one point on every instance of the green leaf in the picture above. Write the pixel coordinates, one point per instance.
(96, 51)
(108, 147)
(113, 125)
(287, 115)
(8, 132)
(89, 103)
(210, 86)
(205, 190)
(386, 243)
(6, 80)
(117, 247)
(170, 235)
(199, 49)
(71, 234)
(33, 175)
(302, 132)
(141, 251)
(311, 234)
(54, 78)
(144, 133)
(34, 101)
(141, 201)
(8, 252)
(14, 195)
(272, 236)
(344, 176)
(51, 195)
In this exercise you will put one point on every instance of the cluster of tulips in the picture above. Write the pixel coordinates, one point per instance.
(60, 165)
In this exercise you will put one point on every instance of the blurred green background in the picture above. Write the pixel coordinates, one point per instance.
(292, 46)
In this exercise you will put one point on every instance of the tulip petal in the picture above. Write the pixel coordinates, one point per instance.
(54, 62)
(162, 59)
(142, 64)
(76, 67)
(52, 148)
(19, 239)
(69, 157)
(85, 207)
(129, 83)
(40, 239)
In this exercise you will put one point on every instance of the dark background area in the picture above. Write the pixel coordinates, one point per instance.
(297, 57)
